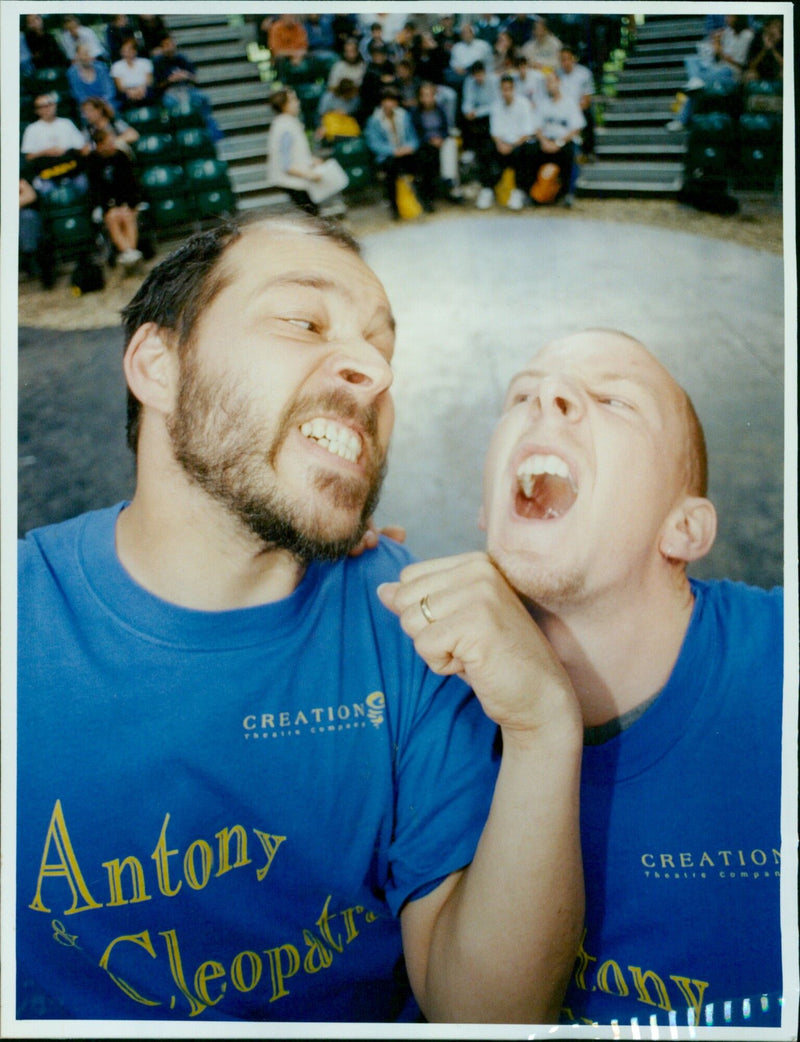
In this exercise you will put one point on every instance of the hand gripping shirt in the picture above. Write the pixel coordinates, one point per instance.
(220, 815)
(680, 825)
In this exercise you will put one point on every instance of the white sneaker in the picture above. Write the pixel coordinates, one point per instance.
(675, 124)
(128, 258)
(516, 200)
(695, 83)
(467, 156)
(485, 198)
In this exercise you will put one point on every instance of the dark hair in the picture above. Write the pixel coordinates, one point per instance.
(278, 99)
(102, 105)
(182, 285)
(507, 78)
(478, 66)
(390, 92)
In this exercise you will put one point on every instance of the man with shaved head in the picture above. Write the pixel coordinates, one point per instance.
(594, 504)
(241, 794)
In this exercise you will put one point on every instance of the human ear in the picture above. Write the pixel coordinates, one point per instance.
(150, 364)
(689, 531)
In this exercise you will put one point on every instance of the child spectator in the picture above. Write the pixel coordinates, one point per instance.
(114, 189)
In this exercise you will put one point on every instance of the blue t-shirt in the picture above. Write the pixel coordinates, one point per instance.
(220, 815)
(680, 823)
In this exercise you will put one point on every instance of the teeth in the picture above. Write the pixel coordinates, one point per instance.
(535, 465)
(338, 440)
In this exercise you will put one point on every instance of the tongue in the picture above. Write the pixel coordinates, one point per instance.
(551, 497)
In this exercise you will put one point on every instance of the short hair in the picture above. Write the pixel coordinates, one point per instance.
(696, 462)
(507, 78)
(477, 66)
(390, 92)
(181, 286)
(279, 98)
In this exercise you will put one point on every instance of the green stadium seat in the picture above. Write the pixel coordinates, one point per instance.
(309, 95)
(294, 73)
(205, 174)
(194, 143)
(147, 119)
(185, 113)
(352, 151)
(759, 152)
(360, 175)
(716, 98)
(154, 149)
(45, 80)
(215, 202)
(64, 201)
(161, 180)
(763, 96)
(169, 210)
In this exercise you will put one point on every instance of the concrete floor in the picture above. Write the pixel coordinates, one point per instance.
(474, 298)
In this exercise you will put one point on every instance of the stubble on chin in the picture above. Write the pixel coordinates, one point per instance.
(540, 585)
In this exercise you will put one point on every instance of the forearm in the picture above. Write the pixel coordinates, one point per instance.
(505, 941)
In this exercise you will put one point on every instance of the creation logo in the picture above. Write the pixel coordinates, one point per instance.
(316, 720)
(733, 863)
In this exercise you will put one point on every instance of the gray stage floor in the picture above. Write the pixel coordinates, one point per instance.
(474, 297)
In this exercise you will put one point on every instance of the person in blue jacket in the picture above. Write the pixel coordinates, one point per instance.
(242, 795)
(595, 501)
(390, 136)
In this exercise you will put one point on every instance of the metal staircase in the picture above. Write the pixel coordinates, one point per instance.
(636, 154)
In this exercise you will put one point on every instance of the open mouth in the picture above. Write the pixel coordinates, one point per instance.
(545, 488)
(338, 439)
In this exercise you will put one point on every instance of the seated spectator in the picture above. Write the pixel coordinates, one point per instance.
(286, 38)
(478, 97)
(152, 29)
(119, 29)
(35, 258)
(431, 60)
(74, 34)
(114, 189)
(391, 138)
(89, 78)
(337, 115)
(487, 27)
(446, 36)
(99, 117)
(175, 77)
(378, 76)
(528, 83)
(290, 163)
(373, 35)
(577, 83)
(406, 83)
(558, 120)
(503, 54)
(53, 147)
(520, 28)
(542, 50)
(720, 61)
(765, 54)
(133, 76)
(319, 32)
(351, 65)
(26, 66)
(43, 48)
(433, 132)
(408, 41)
(510, 126)
(468, 50)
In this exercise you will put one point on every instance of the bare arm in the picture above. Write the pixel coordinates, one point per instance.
(496, 942)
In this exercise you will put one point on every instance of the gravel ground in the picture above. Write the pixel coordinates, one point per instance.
(759, 225)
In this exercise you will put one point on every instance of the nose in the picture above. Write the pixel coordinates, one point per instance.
(364, 369)
(558, 394)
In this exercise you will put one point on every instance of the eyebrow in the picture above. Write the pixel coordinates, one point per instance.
(323, 284)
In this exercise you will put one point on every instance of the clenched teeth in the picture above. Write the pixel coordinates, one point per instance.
(336, 438)
(536, 465)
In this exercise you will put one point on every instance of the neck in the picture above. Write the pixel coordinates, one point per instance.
(620, 653)
(182, 546)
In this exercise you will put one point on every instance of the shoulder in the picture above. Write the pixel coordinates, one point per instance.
(47, 545)
(748, 620)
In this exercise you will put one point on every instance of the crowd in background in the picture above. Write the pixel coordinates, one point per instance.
(507, 100)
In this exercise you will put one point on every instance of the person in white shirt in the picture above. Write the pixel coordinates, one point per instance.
(557, 122)
(52, 147)
(577, 83)
(133, 76)
(465, 53)
(74, 34)
(290, 163)
(530, 83)
(543, 48)
(511, 126)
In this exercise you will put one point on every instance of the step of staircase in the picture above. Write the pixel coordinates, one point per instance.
(654, 30)
(631, 177)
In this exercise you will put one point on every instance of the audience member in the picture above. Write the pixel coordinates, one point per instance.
(350, 66)
(152, 29)
(478, 97)
(43, 48)
(133, 76)
(35, 257)
(446, 36)
(74, 34)
(765, 54)
(378, 75)
(26, 66)
(319, 33)
(114, 189)
(374, 34)
(520, 28)
(510, 126)
(53, 147)
(468, 50)
(577, 83)
(720, 60)
(290, 163)
(430, 59)
(406, 83)
(287, 38)
(542, 50)
(175, 83)
(529, 83)
(390, 136)
(119, 29)
(503, 54)
(337, 115)
(89, 78)
(99, 116)
(432, 130)
(487, 27)
(558, 120)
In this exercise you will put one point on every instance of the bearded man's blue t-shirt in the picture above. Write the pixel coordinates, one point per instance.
(221, 815)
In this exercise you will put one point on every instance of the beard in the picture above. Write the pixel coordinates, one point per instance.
(219, 441)
(538, 585)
